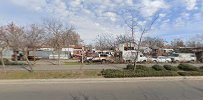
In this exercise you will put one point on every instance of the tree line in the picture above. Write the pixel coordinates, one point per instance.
(51, 33)
(109, 42)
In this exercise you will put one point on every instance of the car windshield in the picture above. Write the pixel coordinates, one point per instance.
(103, 55)
(175, 55)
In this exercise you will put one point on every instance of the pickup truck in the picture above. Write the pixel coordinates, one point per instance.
(103, 58)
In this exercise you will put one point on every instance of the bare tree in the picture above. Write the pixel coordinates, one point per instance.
(153, 42)
(16, 39)
(105, 42)
(34, 38)
(3, 45)
(196, 41)
(123, 38)
(177, 43)
(14, 35)
(138, 25)
(60, 35)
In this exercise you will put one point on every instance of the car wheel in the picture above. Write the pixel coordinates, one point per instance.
(144, 61)
(103, 61)
(177, 61)
(192, 61)
(128, 61)
(155, 61)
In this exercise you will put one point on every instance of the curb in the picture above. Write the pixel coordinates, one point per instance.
(99, 80)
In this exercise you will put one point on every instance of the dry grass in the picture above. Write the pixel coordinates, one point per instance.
(50, 74)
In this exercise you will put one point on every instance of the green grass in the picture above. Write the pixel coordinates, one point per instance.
(50, 74)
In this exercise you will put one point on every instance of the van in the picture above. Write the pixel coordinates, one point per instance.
(183, 57)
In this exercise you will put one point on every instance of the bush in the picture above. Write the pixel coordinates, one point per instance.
(187, 67)
(170, 67)
(158, 67)
(113, 73)
(201, 68)
(141, 67)
(6, 61)
(130, 67)
(190, 73)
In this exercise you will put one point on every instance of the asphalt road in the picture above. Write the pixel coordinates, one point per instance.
(121, 90)
(76, 67)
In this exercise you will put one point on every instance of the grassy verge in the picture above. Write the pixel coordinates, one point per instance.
(72, 63)
(50, 74)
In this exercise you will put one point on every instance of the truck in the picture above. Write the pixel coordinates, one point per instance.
(183, 57)
(130, 55)
(103, 58)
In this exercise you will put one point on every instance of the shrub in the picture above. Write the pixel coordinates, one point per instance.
(141, 67)
(187, 67)
(170, 67)
(17, 63)
(190, 73)
(6, 61)
(158, 67)
(130, 67)
(113, 73)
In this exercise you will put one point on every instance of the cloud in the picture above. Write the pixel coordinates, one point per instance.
(30, 4)
(91, 17)
(150, 7)
(190, 4)
(57, 8)
(111, 15)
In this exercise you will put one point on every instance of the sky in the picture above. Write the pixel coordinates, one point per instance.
(177, 18)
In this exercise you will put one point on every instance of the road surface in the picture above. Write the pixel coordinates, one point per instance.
(109, 90)
(76, 67)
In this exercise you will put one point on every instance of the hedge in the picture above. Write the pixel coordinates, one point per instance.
(141, 67)
(113, 73)
(187, 67)
(170, 67)
(190, 73)
(158, 67)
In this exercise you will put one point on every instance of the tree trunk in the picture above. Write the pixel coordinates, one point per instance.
(27, 60)
(2, 61)
(134, 63)
(15, 57)
(58, 56)
(34, 51)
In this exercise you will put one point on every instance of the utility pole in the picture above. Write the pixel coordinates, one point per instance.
(82, 60)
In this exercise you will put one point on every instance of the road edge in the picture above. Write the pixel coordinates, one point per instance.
(99, 80)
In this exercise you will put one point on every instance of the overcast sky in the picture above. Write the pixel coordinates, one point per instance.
(178, 18)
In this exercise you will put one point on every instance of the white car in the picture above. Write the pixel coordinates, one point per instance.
(161, 59)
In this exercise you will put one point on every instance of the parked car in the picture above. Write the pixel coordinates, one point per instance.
(183, 57)
(161, 59)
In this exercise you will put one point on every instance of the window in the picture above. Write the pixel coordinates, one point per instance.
(192, 56)
(175, 55)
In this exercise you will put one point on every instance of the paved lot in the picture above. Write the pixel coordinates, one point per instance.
(121, 90)
(76, 67)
